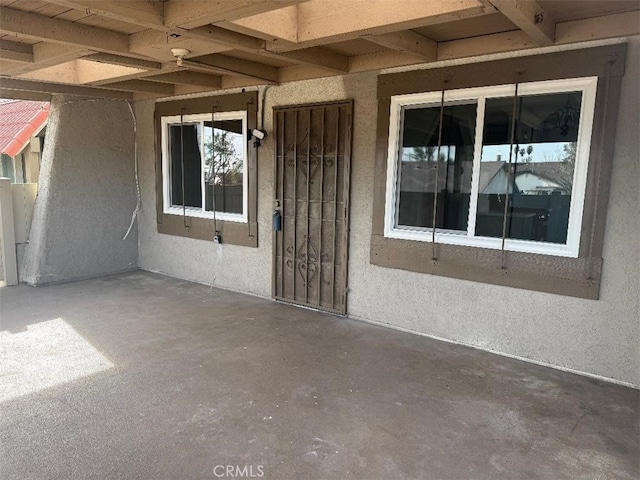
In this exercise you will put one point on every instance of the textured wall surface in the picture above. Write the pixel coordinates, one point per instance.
(86, 194)
(596, 337)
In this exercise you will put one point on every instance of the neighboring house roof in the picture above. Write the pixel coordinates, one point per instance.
(19, 120)
(550, 171)
(488, 170)
(420, 176)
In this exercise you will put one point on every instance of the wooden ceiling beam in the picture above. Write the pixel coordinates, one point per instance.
(16, 51)
(610, 26)
(7, 67)
(222, 36)
(485, 45)
(407, 42)
(233, 66)
(50, 88)
(123, 61)
(188, 78)
(22, 95)
(40, 27)
(317, 56)
(190, 14)
(530, 17)
(143, 86)
(149, 14)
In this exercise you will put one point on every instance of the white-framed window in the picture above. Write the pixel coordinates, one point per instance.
(472, 178)
(204, 163)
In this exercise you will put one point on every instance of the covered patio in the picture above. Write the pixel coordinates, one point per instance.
(172, 379)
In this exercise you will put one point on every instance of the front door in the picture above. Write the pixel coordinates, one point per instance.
(313, 154)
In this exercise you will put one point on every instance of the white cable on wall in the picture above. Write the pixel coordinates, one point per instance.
(134, 215)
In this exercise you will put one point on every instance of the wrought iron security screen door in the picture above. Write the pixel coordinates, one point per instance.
(313, 155)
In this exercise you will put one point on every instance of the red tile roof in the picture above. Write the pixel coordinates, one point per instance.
(19, 120)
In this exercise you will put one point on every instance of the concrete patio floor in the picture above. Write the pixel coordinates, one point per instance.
(166, 379)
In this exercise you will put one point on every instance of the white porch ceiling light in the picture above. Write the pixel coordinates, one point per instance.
(180, 53)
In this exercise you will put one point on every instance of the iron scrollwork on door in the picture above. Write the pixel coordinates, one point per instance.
(314, 155)
(306, 259)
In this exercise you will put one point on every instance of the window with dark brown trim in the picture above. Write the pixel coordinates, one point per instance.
(206, 175)
(521, 219)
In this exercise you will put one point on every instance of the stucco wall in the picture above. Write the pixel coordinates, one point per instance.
(86, 194)
(596, 337)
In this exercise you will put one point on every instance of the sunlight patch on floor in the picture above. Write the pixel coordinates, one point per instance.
(46, 354)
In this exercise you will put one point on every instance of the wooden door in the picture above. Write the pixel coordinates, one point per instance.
(313, 154)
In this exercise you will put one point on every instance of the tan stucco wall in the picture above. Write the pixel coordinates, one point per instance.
(596, 337)
(86, 194)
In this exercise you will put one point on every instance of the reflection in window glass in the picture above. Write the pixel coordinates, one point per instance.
(224, 169)
(418, 186)
(184, 145)
(540, 179)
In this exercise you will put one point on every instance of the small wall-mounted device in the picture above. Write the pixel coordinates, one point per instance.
(258, 136)
(276, 221)
(217, 238)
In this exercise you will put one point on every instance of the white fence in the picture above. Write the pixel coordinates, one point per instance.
(16, 212)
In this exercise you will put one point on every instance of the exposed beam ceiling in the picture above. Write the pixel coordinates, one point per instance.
(125, 45)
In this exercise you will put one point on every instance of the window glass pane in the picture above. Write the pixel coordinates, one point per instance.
(540, 179)
(417, 185)
(224, 169)
(185, 139)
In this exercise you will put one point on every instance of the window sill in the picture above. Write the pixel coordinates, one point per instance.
(198, 213)
(491, 243)
(576, 277)
(233, 233)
